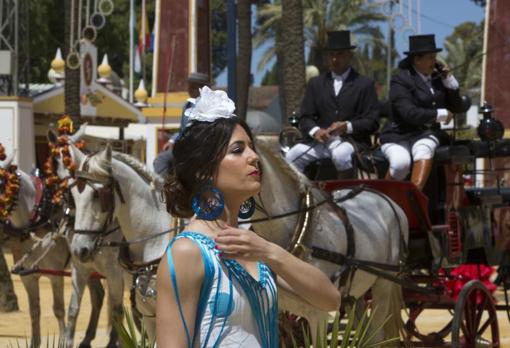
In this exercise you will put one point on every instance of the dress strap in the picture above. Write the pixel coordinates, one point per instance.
(204, 289)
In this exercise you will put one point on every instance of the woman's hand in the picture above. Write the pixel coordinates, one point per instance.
(235, 243)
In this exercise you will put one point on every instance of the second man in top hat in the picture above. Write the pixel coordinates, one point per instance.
(339, 111)
(423, 94)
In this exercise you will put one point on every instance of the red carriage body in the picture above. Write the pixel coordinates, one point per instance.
(451, 224)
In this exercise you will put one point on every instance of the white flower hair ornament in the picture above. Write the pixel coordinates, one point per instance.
(211, 105)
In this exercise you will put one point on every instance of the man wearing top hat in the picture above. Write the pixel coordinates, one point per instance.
(423, 94)
(339, 111)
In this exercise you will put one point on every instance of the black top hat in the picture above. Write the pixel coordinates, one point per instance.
(422, 44)
(198, 77)
(339, 40)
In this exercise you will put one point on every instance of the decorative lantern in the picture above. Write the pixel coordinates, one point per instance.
(490, 128)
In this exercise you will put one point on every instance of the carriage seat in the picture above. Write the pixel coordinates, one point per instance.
(480, 195)
(374, 161)
(370, 161)
(453, 154)
(500, 148)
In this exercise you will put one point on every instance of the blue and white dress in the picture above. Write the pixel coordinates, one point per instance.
(234, 309)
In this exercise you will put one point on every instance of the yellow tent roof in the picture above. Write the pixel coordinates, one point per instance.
(110, 105)
(174, 104)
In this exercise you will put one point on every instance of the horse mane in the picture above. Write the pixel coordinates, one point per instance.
(139, 168)
(98, 165)
(282, 165)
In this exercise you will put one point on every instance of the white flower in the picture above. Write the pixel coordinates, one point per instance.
(211, 105)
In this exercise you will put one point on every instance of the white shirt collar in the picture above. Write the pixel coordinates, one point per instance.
(341, 77)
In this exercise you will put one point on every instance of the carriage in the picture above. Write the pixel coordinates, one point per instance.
(451, 224)
(457, 233)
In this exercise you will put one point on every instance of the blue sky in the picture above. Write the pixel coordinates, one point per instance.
(437, 17)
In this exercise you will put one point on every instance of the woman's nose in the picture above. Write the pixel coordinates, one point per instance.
(253, 157)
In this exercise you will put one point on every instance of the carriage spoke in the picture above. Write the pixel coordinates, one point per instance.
(480, 309)
(472, 313)
(468, 319)
(463, 328)
(485, 325)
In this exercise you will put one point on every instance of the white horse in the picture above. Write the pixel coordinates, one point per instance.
(28, 250)
(141, 214)
(379, 225)
(88, 257)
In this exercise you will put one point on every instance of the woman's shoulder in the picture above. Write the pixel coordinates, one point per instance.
(184, 248)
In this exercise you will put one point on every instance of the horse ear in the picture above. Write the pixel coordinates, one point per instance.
(77, 154)
(52, 136)
(79, 134)
(108, 152)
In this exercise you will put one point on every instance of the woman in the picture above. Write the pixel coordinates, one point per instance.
(422, 94)
(216, 282)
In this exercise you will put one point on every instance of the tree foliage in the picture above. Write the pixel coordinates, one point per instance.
(219, 36)
(47, 34)
(321, 16)
(481, 3)
(464, 55)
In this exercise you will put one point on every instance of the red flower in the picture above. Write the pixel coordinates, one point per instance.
(462, 274)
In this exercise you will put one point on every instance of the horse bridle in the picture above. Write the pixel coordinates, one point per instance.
(106, 196)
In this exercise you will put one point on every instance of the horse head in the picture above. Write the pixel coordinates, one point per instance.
(282, 190)
(94, 197)
(65, 151)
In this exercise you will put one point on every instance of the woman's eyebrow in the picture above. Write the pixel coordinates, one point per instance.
(238, 142)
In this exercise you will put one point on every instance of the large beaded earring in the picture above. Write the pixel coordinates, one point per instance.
(208, 204)
(247, 208)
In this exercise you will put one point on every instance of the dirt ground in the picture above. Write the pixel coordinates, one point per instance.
(16, 326)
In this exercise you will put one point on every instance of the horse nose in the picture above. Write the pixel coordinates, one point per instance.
(83, 254)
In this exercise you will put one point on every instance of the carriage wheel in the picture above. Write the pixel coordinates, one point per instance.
(433, 339)
(475, 323)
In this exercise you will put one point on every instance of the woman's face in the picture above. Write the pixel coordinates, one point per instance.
(238, 172)
(425, 64)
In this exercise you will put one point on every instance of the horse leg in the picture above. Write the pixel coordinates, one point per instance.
(57, 286)
(79, 279)
(96, 300)
(115, 299)
(31, 284)
(387, 300)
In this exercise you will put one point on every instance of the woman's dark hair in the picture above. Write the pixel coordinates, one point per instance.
(407, 62)
(197, 156)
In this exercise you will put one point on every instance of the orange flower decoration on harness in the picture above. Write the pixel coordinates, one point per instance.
(61, 148)
(9, 187)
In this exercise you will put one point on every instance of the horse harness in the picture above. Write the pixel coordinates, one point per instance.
(141, 271)
(348, 264)
(40, 216)
(303, 226)
(105, 194)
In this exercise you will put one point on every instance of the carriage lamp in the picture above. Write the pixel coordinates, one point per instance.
(294, 120)
(490, 128)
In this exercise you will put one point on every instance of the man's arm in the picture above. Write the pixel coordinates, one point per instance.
(308, 111)
(367, 120)
(405, 104)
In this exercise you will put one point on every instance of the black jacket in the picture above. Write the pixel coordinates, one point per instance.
(356, 103)
(414, 107)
